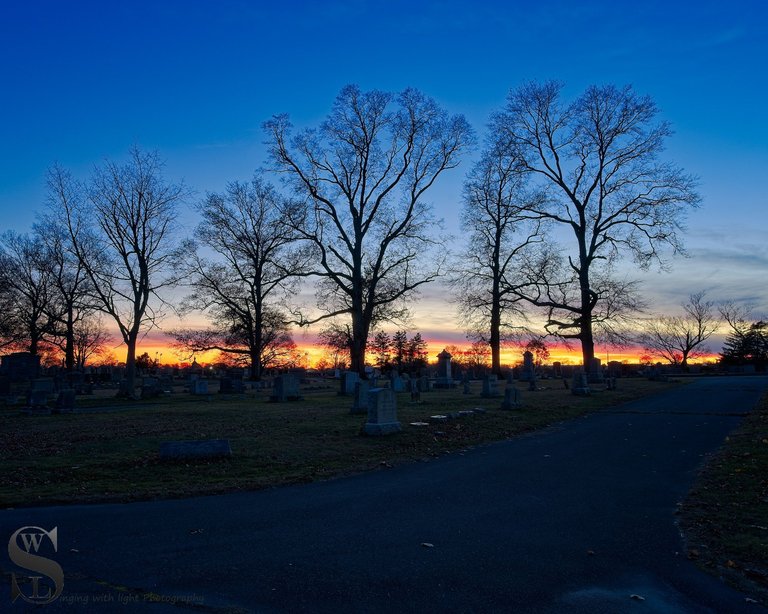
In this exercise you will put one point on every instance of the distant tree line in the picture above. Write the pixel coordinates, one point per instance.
(562, 191)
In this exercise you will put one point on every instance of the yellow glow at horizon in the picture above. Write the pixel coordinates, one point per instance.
(509, 356)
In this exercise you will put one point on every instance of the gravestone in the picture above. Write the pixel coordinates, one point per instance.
(198, 386)
(580, 385)
(382, 412)
(204, 448)
(415, 390)
(595, 373)
(285, 388)
(423, 384)
(466, 388)
(65, 403)
(490, 386)
(20, 366)
(397, 382)
(150, 388)
(614, 368)
(532, 381)
(511, 398)
(229, 385)
(37, 399)
(348, 381)
(166, 384)
(360, 405)
(528, 371)
(43, 384)
(444, 376)
(557, 368)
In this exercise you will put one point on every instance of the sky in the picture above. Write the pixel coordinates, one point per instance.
(83, 81)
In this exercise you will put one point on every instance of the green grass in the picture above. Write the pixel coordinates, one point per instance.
(113, 456)
(725, 516)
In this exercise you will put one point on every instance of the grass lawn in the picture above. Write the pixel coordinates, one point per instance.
(725, 516)
(113, 455)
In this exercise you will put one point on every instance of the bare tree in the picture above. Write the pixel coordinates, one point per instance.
(73, 291)
(122, 231)
(677, 339)
(233, 335)
(90, 339)
(31, 300)
(487, 273)
(597, 159)
(363, 174)
(258, 259)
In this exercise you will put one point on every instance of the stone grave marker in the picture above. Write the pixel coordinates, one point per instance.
(198, 386)
(490, 386)
(580, 385)
(532, 381)
(595, 373)
(20, 366)
(348, 381)
(285, 388)
(360, 405)
(230, 385)
(166, 384)
(511, 398)
(37, 399)
(65, 403)
(444, 377)
(528, 371)
(150, 388)
(415, 391)
(397, 383)
(204, 448)
(43, 384)
(382, 412)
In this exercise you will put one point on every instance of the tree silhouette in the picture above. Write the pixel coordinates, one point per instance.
(677, 339)
(607, 194)
(257, 261)
(363, 175)
(122, 228)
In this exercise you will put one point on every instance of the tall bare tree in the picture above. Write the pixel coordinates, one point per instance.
(31, 301)
(677, 339)
(607, 191)
(363, 174)
(122, 230)
(73, 291)
(487, 273)
(258, 259)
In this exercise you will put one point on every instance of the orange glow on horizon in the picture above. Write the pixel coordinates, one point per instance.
(510, 356)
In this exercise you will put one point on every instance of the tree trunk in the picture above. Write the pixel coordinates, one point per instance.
(585, 334)
(130, 369)
(33, 344)
(69, 343)
(495, 336)
(358, 344)
(255, 365)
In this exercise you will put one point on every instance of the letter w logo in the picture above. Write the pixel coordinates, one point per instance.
(32, 540)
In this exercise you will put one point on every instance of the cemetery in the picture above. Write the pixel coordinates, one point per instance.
(190, 435)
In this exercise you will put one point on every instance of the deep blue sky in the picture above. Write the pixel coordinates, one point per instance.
(81, 81)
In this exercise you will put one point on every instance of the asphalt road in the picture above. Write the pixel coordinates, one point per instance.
(577, 518)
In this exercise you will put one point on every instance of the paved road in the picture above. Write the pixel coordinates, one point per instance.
(512, 526)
